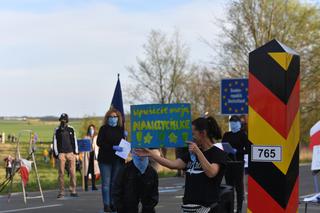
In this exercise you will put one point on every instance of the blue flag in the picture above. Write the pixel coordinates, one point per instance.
(117, 99)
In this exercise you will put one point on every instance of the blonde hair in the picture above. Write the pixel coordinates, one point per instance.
(109, 112)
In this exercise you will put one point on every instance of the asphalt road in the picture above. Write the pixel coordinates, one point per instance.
(171, 191)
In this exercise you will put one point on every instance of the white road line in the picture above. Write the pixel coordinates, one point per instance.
(31, 208)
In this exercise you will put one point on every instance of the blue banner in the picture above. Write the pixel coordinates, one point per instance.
(234, 96)
(117, 102)
(160, 125)
(84, 145)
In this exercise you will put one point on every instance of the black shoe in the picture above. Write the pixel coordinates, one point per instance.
(107, 209)
(113, 209)
(60, 196)
(86, 189)
(74, 195)
(94, 188)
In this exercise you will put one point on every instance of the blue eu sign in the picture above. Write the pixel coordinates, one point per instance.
(84, 145)
(234, 96)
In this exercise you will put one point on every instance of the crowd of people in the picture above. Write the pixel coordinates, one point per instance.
(127, 185)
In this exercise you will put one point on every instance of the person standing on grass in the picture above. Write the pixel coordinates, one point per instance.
(109, 137)
(9, 164)
(65, 149)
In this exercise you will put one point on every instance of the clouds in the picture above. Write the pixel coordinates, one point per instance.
(46, 51)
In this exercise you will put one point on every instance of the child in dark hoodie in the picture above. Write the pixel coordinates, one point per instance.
(136, 183)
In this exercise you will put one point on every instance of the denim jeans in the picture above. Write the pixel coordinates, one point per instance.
(109, 173)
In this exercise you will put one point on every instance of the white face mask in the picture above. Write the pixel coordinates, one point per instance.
(91, 131)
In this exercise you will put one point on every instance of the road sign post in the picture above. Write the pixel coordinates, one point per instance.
(234, 96)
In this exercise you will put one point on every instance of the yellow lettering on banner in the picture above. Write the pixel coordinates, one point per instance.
(136, 126)
(151, 111)
(182, 111)
(161, 125)
(143, 125)
(157, 125)
(187, 124)
(181, 126)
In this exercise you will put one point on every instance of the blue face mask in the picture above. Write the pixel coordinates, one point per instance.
(235, 126)
(141, 163)
(113, 121)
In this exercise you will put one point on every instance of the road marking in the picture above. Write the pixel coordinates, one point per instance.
(169, 189)
(31, 208)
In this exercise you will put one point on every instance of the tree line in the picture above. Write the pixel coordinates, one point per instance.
(166, 74)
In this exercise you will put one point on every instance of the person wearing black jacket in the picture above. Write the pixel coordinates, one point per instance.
(238, 139)
(65, 148)
(109, 137)
(136, 183)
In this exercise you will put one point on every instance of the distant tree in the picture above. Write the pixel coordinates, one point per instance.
(250, 24)
(161, 71)
(201, 89)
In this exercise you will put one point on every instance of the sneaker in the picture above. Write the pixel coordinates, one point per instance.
(74, 194)
(60, 196)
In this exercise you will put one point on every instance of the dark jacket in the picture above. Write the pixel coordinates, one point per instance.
(132, 187)
(58, 146)
(107, 138)
(238, 141)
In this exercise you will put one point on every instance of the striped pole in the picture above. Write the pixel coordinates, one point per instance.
(274, 122)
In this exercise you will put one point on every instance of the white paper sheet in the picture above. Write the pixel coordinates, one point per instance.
(126, 146)
(314, 198)
(315, 165)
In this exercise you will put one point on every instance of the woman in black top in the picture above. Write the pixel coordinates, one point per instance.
(109, 137)
(204, 164)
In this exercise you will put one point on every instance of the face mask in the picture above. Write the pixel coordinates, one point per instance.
(91, 131)
(141, 163)
(235, 126)
(113, 121)
(63, 124)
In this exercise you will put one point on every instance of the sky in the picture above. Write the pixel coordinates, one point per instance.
(63, 56)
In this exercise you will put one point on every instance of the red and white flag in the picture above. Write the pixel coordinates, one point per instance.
(315, 135)
(25, 169)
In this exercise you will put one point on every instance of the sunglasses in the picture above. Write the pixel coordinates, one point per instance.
(113, 116)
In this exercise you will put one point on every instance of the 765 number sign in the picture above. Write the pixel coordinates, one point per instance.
(266, 153)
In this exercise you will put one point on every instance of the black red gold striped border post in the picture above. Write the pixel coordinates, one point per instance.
(274, 122)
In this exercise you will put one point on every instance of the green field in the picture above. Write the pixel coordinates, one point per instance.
(48, 174)
(44, 129)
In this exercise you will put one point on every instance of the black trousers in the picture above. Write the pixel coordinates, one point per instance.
(8, 172)
(234, 177)
(90, 171)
